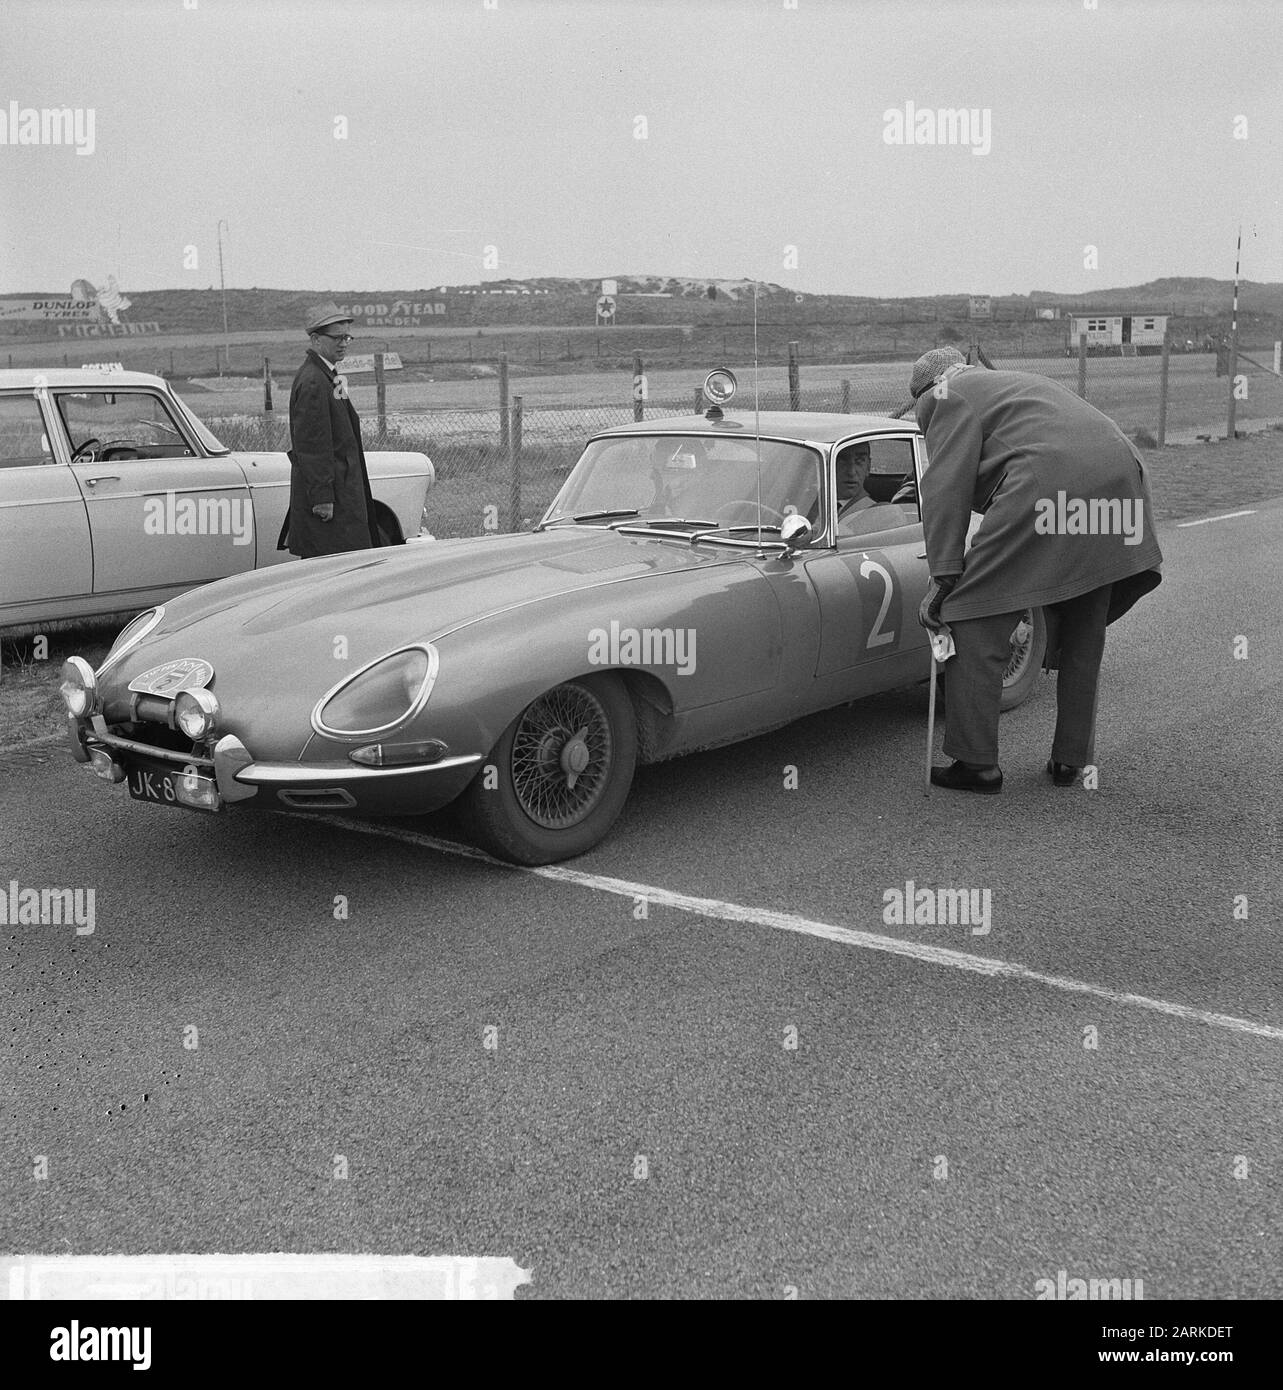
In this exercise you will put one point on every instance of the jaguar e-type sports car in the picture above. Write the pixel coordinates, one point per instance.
(695, 581)
(113, 495)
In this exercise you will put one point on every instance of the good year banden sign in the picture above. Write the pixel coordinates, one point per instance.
(401, 313)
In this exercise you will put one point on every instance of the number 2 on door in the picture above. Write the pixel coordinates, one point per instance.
(878, 638)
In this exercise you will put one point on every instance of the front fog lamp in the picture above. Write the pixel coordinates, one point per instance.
(79, 688)
(719, 386)
(196, 713)
(380, 697)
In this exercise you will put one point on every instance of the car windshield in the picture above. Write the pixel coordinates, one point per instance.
(699, 479)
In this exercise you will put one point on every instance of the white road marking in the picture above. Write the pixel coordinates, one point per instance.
(826, 931)
(30, 743)
(1225, 516)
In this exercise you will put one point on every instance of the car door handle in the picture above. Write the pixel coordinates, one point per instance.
(103, 478)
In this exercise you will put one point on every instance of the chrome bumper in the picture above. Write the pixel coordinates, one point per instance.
(233, 767)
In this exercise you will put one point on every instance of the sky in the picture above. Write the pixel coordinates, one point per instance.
(410, 143)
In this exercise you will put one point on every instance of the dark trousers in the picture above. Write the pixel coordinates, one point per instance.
(973, 679)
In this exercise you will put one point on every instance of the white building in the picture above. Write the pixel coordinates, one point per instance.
(1124, 333)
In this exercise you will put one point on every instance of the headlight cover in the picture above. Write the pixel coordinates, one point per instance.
(381, 696)
(131, 634)
(78, 688)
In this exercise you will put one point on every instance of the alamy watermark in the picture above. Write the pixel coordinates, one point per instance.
(47, 907)
(1063, 1288)
(1090, 516)
(172, 515)
(645, 646)
(949, 125)
(48, 125)
(912, 906)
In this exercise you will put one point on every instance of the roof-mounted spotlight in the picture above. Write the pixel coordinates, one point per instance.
(719, 387)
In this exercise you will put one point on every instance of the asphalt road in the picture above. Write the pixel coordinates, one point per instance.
(948, 1124)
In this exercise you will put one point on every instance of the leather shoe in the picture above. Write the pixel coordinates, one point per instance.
(963, 777)
(1062, 774)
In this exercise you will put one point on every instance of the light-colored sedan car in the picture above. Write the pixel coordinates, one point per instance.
(114, 496)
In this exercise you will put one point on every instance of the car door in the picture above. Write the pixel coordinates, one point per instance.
(44, 527)
(161, 515)
(871, 582)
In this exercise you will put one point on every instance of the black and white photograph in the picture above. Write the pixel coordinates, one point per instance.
(640, 660)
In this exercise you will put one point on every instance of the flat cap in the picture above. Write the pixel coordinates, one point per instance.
(323, 315)
(929, 366)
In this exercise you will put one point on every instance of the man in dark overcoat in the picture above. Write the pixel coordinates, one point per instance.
(1068, 527)
(331, 508)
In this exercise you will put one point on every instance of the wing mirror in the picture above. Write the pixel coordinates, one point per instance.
(796, 532)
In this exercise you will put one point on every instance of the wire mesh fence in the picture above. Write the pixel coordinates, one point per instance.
(498, 468)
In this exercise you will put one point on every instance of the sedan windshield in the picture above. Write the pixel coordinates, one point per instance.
(202, 432)
(698, 480)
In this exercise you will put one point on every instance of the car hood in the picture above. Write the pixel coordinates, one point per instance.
(279, 638)
(426, 589)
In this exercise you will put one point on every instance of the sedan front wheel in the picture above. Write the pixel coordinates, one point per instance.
(558, 778)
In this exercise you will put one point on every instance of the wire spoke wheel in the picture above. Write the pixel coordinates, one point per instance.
(1022, 648)
(562, 755)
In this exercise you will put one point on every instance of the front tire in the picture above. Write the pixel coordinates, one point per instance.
(558, 777)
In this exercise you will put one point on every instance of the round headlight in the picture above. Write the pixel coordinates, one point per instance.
(719, 386)
(383, 695)
(79, 687)
(196, 713)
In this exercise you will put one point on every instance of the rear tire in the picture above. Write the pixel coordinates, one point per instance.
(1029, 642)
(558, 777)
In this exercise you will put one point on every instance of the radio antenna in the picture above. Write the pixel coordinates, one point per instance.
(757, 422)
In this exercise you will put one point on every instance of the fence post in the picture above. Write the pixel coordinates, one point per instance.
(1082, 365)
(503, 400)
(699, 400)
(1230, 431)
(1162, 391)
(514, 462)
(795, 379)
(267, 383)
(639, 388)
(846, 395)
(381, 397)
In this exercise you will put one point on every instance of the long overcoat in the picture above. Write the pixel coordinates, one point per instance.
(1064, 495)
(327, 464)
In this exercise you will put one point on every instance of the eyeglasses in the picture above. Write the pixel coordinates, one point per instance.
(337, 337)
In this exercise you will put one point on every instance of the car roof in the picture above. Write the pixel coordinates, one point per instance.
(25, 377)
(809, 426)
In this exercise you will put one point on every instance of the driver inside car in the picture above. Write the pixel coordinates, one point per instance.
(852, 468)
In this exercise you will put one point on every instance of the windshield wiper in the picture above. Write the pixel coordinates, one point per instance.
(589, 516)
(676, 521)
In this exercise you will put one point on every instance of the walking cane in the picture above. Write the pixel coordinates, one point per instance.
(931, 720)
(931, 699)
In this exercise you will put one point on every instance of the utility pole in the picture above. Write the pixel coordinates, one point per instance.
(222, 284)
(1229, 422)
